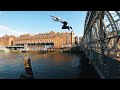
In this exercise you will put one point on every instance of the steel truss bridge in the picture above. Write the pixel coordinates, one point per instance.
(101, 42)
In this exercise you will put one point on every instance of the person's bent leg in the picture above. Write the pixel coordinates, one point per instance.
(65, 27)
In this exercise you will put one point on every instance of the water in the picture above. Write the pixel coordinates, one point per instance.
(44, 66)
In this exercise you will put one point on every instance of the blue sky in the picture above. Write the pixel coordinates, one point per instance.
(33, 22)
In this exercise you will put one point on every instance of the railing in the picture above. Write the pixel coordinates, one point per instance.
(101, 42)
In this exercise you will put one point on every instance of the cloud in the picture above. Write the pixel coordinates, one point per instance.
(5, 30)
(3, 27)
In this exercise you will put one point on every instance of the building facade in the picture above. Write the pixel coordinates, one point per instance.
(76, 40)
(80, 38)
(51, 40)
(7, 40)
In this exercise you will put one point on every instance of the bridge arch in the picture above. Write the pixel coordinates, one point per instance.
(101, 41)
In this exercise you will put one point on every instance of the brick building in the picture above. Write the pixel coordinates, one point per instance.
(7, 40)
(51, 39)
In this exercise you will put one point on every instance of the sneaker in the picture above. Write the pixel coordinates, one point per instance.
(70, 27)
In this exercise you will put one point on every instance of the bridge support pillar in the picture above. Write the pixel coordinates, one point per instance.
(101, 34)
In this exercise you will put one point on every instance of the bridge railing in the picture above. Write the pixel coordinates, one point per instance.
(101, 42)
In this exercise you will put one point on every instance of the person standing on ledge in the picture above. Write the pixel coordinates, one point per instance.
(57, 19)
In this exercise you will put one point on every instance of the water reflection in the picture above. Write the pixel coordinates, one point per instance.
(43, 66)
(76, 62)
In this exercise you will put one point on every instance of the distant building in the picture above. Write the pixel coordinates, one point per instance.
(76, 40)
(7, 40)
(80, 38)
(51, 39)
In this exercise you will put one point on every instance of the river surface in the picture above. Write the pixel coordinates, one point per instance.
(44, 66)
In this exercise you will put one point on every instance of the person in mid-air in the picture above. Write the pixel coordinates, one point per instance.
(57, 19)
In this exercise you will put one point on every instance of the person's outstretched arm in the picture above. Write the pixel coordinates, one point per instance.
(57, 19)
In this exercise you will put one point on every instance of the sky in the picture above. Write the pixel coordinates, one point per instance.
(34, 22)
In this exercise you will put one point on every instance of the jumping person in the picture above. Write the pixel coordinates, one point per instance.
(57, 19)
